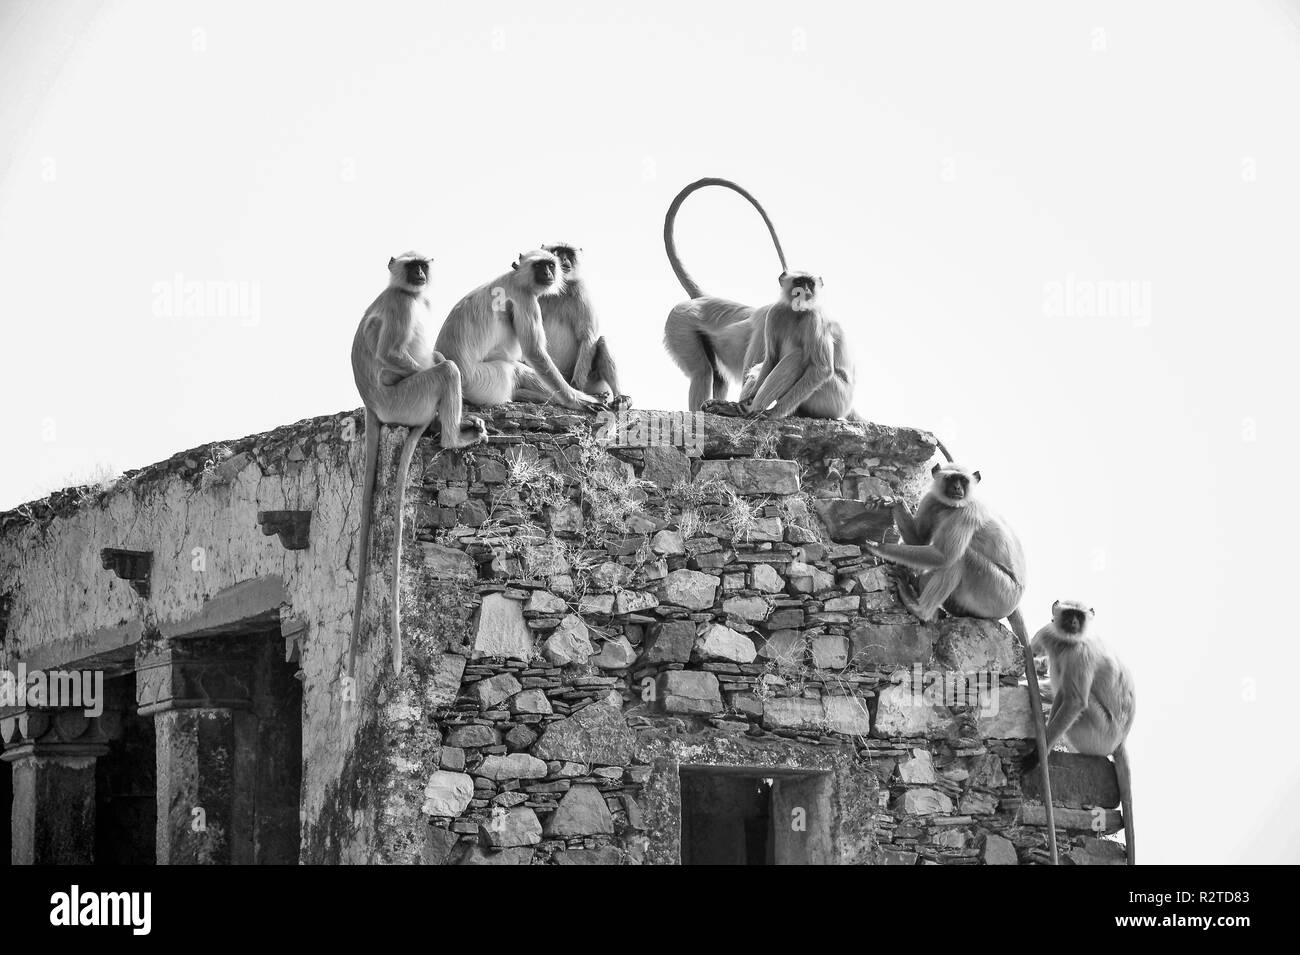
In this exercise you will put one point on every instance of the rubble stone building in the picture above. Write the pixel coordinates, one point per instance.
(644, 639)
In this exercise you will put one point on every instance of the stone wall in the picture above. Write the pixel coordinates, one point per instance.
(591, 610)
(591, 614)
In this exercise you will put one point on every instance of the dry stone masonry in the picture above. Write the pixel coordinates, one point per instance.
(621, 650)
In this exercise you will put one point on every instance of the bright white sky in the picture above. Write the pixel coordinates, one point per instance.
(940, 164)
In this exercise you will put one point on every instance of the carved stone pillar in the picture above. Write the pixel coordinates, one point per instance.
(53, 753)
(199, 692)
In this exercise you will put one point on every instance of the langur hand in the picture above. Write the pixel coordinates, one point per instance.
(580, 401)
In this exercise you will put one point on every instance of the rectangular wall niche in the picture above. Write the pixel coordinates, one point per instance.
(755, 815)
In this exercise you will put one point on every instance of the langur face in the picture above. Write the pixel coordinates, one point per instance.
(545, 271)
(1071, 621)
(568, 258)
(800, 289)
(411, 271)
(956, 486)
(542, 270)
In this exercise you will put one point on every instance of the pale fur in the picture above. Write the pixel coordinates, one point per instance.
(402, 381)
(972, 564)
(496, 336)
(1094, 700)
(806, 368)
(573, 337)
(713, 340)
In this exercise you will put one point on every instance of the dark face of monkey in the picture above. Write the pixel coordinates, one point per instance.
(410, 271)
(568, 256)
(1071, 618)
(954, 484)
(542, 270)
(1071, 621)
(800, 289)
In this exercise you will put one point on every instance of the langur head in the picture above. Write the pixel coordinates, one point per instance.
(799, 290)
(410, 271)
(1070, 617)
(953, 484)
(539, 272)
(568, 256)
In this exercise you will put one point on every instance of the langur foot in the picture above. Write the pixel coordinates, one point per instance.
(473, 431)
(912, 602)
(721, 406)
(620, 403)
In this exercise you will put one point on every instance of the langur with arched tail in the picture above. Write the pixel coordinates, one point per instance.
(1093, 698)
(806, 367)
(712, 339)
(402, 381)
(970, 563)
(496, 337)
(573, 337)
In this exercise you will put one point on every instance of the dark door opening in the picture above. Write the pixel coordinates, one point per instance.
(126, 799)
(743, 815)
(726, 819)
(277, 778)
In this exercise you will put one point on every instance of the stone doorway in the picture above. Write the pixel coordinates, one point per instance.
(751, 815)
(126, 793)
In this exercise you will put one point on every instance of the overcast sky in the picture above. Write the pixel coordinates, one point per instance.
(1063, 236)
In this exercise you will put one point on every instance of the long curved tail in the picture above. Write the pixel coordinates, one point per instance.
(399, 505)
(1040, 729)
(693, 290)
(1125, 779)
(367, 504)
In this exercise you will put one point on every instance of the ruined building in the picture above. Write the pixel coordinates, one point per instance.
(650, 639)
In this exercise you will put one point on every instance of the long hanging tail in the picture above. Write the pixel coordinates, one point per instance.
(399, 505)
(1040, 729)
(670, 245)
(1125, 778)
(367, 502)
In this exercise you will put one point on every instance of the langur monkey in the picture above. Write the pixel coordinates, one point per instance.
(806, 368)
(712, 339)
(971, 563)
(573, 337)
(1093, 698)
(402, 381)
(492, 331)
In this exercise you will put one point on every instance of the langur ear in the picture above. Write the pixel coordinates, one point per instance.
(976, 476)
(820, 282)
(514, 265)
(780, 279)
(1091, 612)
(935, 470)
(1055, 604)
(391, 260)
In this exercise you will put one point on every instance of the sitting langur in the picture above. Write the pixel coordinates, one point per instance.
(573, 336)
(806, 369)
(713, 339)
(1093, 697)
(971, 564)
(495, 336)
(402, 381)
